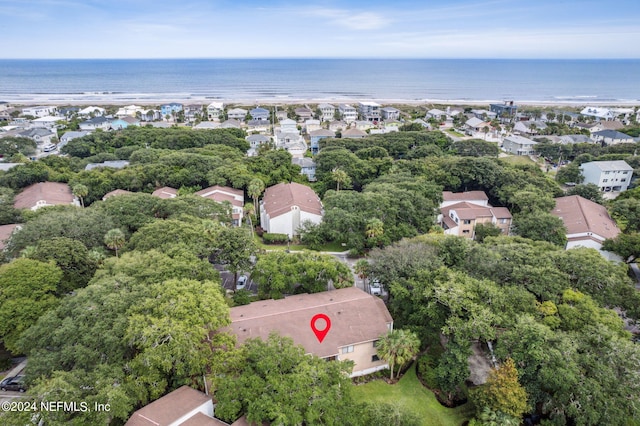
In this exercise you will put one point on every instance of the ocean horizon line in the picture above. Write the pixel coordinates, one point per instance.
(324, 58)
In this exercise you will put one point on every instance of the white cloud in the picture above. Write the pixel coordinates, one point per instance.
(358, 21)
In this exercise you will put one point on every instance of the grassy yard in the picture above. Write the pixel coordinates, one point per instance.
(412, 396)
(454, 133)
(518, 159)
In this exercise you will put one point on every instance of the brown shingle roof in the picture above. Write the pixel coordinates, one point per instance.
(580, 215)
(279, 199)
(165, 192)
(200, 419)
(464, 196)
(169, 408)
(223, 193)
(52, 193)
(5, 233)
(355, 316)
(116, 192)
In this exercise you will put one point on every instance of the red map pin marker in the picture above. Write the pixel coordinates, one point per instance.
(320, 334)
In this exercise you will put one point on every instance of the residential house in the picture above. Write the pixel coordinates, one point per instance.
(436, 114)
(288, 126)
(39, 135)
(6, 231)
(369, 111)
(337, 126)
(285, 206)
(357, 320)
(71, 135)
(206, 125)
(124, 122)
(115, 164)
(93, 111)
(170, 109)
(475, 125)
(316, 136)
(598, 113)
(231, 124)
(47, 122)
(44, 194)
(192, 112)
(327, 112)
(184, 406)
(225, 194)
(237, 114)
(67, 111)
(307, 166)
(354, 134)
(460, 212)
(311, 125)
(259, 126)
(281, 114)
(571, 139)
(519, 145)
(165, 192)
(130, 110)
(390, 113)
(588, 224)
(474, 197)
(259, 114)
(115, 193)
(612, 137)
(529, 127)
(505, 111)
(484, 114)
(607, 175)
(363, 125)
(590, 127)
(215, 110)
(255, 141)
(348, 114)
(95, 123)
(149, 115)
(40, 111)
(303, 113)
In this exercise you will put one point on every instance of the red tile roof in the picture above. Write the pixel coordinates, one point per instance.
(5, 233)
(165, 192)
(116, 192)
(279, 199)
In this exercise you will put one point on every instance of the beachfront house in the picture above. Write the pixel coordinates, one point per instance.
(91, 111)
(215, 110)
(607, 175)
(598, 113)
(40, 111)
(505, 111)
(237, 114)
(369, 111)
(192, 112)
(170, 109)
(390, 113)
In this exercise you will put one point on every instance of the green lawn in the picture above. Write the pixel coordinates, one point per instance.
(410, 394)
(454, 133)
(518, 159)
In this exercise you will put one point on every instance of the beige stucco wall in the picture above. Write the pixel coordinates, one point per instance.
(361, 356)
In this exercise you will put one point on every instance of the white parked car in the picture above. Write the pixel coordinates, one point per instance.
(242, 282)
(49, 148)
(375, 288)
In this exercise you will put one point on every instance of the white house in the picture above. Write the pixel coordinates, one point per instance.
(348, 113)
(215, 110)
(598, 113)
(519, 145)
(588, 224)
(237, 114)
(327, 112)
(311, 125)
(390, 113)
(607, 175)
(369, 111)
(95, 123)
(286, 206)
(95, 110)
(40, 111)
(47, 122)
(222, 194)
(612, 137)
(288, 126)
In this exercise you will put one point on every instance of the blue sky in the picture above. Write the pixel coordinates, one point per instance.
(352, 29)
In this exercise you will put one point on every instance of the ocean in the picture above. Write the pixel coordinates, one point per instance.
(470, 80)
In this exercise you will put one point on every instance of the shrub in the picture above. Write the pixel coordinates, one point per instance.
(274, 238)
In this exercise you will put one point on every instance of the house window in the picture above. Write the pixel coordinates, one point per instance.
(623, 180)
(606, 173)
(624, 173)
(467, 221)
(375, 358)
(466, 231)
(347, 349)
(605, 180)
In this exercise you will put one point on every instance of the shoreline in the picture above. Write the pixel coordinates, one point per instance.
(155, 99)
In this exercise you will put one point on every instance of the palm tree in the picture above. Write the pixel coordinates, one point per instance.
(114, 239)
(250, 210)
(339, 176)
(255, 189)
(361, 268)
(374, 229)
(80, 191)
(398, 347)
